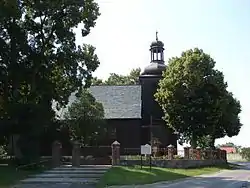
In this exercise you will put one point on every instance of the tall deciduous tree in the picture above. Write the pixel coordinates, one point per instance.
(195, 100)
(85, 119)
(115, 79)
(39, 59)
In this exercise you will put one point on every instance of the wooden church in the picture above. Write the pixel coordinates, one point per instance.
(133, 116)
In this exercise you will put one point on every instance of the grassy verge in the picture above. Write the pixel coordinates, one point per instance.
(136, 175)
(10, 176)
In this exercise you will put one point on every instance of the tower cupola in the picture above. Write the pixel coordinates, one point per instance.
(157, 51)
(157, 58)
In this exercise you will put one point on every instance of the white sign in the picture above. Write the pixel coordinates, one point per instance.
(146, 150)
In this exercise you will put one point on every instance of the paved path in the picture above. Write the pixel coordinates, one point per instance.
(85, 176)
(225, 179)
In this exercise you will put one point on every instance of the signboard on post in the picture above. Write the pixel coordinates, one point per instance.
(146, 149)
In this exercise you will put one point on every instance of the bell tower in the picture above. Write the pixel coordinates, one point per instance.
(153, 127)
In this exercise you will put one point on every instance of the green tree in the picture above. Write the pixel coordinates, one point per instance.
(204, 141)
(96, 81)
(133, 77)
(115, 79)
(195, 100)
(39, 60)
(85, 119)
(245, 153)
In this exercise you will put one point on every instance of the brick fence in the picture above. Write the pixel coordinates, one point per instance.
(192, 158)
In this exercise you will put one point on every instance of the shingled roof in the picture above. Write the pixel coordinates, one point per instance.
(119, 102)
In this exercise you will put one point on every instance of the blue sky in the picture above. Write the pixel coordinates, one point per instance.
(126, 28)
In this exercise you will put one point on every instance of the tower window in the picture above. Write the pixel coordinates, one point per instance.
(155, 56)
(159, 56)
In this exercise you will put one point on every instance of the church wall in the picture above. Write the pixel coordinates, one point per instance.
(126, 132)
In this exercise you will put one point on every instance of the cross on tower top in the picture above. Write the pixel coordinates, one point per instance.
(156, 35)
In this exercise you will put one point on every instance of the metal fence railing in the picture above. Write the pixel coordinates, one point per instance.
(162, 153)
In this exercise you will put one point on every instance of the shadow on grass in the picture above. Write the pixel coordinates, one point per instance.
(136, 175)
(9, 175)
(228, 166)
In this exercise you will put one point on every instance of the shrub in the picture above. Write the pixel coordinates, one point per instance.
(178, 157)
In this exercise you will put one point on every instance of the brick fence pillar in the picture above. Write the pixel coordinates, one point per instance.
(192, 153)
(76, 154)
(186, 153)
(115, 153)
(170, 152)
(198, 153)
(207, 153)
(56, 153)
(210, 153)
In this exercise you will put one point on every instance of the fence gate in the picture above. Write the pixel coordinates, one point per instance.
(96, 155)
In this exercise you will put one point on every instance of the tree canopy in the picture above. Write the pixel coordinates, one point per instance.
(195, 99)
(40, 61)
(115, 79)
(85, 119)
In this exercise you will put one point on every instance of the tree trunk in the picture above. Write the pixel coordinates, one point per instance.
(193, 141)
(212, 142)
(14, 146)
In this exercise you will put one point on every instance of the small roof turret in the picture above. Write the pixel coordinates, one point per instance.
(157, 58)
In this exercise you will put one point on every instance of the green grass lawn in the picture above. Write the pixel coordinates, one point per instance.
(10, 176)
(136, 175)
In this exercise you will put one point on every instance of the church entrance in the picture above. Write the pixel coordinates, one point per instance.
(95, 155)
